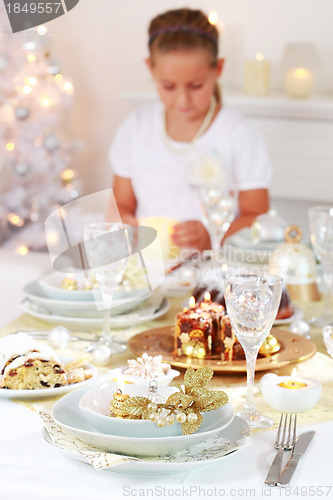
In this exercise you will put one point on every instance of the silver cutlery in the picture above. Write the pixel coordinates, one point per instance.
(297, 452)
(285, 439)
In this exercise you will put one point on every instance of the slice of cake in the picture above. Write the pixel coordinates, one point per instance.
(26, 364)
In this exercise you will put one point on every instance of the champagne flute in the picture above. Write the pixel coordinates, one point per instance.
(252, 301)
(321, 229)
(108, 245)
(219, 208)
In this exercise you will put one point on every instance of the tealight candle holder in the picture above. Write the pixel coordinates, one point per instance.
(290, 393)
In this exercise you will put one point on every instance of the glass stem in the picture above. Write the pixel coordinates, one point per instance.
(106, 334)
(215, 240)
(251, 357)
(328, 279)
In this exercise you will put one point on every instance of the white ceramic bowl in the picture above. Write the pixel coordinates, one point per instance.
(51, 287)
(96, 402)
(289, 400)
(66, 412)
(118, 374)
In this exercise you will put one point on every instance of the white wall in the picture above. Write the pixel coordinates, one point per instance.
(101, 45)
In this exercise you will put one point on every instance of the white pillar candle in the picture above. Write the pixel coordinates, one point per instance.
(257, 74)
(299, 83)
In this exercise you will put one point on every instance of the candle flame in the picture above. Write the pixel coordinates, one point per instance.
(120, 383)
(260, 56)
(207, 296)
(191, 302)
(294, 372)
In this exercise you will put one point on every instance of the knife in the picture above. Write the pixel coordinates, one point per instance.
(298, 451)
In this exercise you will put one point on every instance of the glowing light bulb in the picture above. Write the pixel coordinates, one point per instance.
(68, 87)
(213, 17)
(45, 103)
(31, 80)
(15, 219)
(31, 57)
(27, 89)
(42, 30)
(21, 250)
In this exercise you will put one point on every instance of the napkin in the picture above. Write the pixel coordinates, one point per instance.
(67, 441)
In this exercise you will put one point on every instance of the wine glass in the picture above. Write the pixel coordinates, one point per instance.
(252, 302)
(321, 229)
(108, 245)
(219, 208)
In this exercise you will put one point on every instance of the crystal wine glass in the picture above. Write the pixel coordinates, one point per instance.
(108, 246)
(321, 229)
(219, 208)
(252, 302)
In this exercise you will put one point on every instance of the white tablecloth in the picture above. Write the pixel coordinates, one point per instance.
(32, 469)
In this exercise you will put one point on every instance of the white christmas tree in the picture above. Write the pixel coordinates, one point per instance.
(34, 153)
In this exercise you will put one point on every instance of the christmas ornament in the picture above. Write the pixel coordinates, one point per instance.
(21, 169)
(51, 142)
(59, 337)
(53, 69)
(3, 63)
(101, 355)
(153, 395)
(22, 112)
(184, 406)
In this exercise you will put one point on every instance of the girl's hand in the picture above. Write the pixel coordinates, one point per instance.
(191, 234)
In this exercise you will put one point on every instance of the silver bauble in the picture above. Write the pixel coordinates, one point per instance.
(22, 112)
(51, 142)
(21, 169)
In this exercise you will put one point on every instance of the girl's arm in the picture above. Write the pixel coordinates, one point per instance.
(250, 203)
(126, 200)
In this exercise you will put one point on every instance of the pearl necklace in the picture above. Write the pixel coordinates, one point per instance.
(204, 126)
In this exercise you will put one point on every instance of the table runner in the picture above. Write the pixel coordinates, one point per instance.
(319, 367)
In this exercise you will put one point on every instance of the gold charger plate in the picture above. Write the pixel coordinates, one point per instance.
(160, 341)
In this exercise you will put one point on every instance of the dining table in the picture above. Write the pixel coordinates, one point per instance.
(32, 469)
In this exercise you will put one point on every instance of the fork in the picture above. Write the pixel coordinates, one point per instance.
(285, 439)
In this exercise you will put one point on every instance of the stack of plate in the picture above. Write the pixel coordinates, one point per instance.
(217, 437)
(46, 300)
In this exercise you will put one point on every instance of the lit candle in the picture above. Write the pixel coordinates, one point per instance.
(290, 393)
(292, 384)
(257, 72)
(299, 83)
(207, 296)
(191, 302)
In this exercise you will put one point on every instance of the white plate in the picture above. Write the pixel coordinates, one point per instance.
(298, 314)
(66, 412)
(209, 452)
(48, 393)
(87, 308)
(139, 315)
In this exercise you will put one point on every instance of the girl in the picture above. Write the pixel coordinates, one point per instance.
(157, 147)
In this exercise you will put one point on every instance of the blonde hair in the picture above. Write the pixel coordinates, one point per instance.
(187, 29)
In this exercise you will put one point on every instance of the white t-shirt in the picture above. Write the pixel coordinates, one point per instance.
(162, 179)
